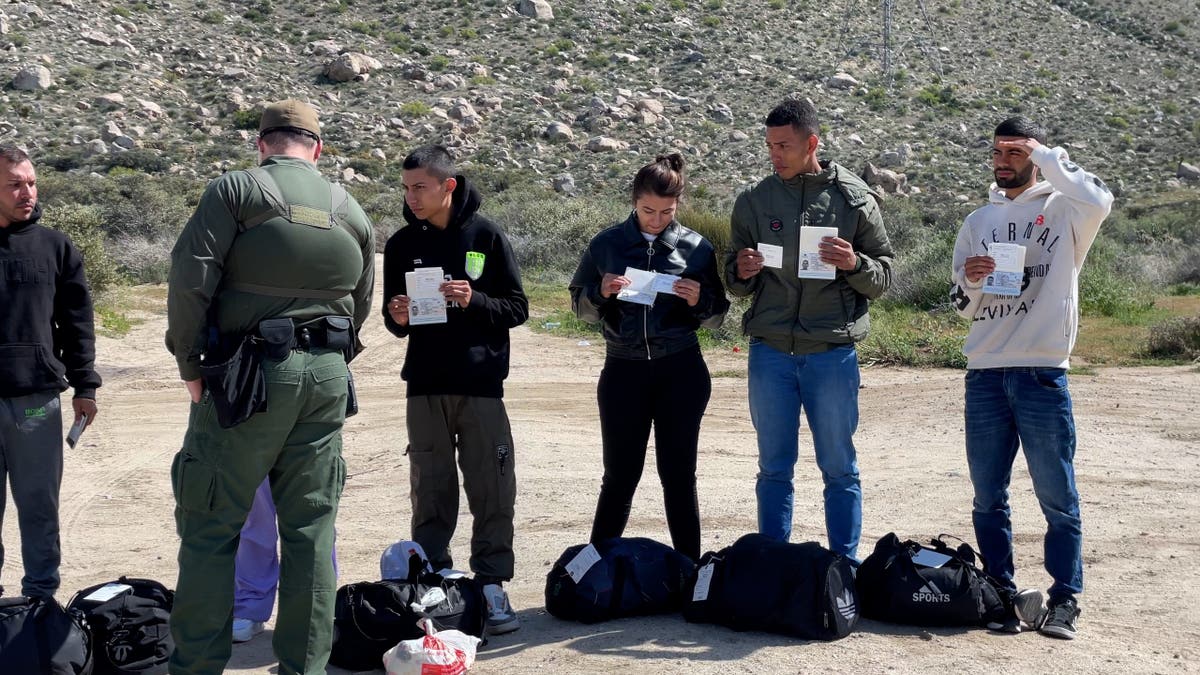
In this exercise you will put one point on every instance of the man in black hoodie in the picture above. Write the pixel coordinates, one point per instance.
(47, 343)
(455, 370)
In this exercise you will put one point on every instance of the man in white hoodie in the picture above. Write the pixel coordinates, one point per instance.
(1017, 353)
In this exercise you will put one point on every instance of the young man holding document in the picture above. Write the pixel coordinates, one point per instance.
(808, 244)
(1018, 348)
(452, 287)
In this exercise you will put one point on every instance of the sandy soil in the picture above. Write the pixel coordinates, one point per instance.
(1138, 471)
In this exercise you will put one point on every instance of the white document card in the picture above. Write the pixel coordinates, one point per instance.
(703, 581)
(644, 286)
(426, 303)
(107, 592)
(809, 266)
(1009, 274)
(772, 255)
(582, 562)
(927, 558)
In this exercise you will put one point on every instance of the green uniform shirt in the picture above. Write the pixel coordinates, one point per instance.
(213, 262)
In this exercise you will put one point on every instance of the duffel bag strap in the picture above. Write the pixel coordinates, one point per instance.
(620, 574)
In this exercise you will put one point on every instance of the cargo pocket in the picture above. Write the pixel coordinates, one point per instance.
(193, 483)
(339, 477)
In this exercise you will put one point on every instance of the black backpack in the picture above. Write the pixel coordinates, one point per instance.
(39, 636)
(371, 617)
(803, 590)
(131, 632)
(632, 577)
(894, 588)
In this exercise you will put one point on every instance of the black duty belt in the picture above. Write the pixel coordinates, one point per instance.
(281, 336)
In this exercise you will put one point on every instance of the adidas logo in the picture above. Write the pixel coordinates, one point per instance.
(846, 606)
(930, 593)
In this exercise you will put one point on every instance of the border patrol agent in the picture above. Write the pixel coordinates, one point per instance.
(270, 280)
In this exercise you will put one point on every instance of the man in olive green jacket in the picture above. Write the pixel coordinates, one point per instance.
(802, 330)
(275, 242)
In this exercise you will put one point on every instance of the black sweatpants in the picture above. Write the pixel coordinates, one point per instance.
(671, 393)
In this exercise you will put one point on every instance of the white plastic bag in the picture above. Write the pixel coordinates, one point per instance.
(447, 652)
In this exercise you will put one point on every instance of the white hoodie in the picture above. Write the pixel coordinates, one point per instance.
(1056, 221)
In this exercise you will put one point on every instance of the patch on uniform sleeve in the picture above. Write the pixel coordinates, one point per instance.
(776, 224)
(304, 215)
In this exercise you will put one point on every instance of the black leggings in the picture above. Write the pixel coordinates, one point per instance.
(672, 393)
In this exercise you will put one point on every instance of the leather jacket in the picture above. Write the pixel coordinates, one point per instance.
(642, 332)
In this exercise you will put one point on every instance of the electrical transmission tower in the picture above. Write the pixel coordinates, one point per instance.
(891, 42)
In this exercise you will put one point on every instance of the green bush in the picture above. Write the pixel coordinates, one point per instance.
(549, 231)
(712, 226)
(247, 119)
(85, 226)
(1177, 338)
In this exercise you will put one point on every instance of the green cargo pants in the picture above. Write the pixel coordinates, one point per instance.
(297, 442)
(478, 429)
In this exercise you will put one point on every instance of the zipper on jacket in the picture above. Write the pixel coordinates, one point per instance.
(800, 286)
(646, 308)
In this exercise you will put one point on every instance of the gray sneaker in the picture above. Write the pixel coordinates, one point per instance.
(1028, 606)
(501, 617)
(1060, 618)
(1027, 612)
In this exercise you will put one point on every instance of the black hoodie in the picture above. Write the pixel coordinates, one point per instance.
(47, 336)
(467, 355)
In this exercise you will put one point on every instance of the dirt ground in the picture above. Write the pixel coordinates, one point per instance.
(1138, 468)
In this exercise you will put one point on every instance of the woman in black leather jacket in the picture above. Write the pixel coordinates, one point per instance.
(654, 373)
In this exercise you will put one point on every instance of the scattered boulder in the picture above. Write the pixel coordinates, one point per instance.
(564, 184)
(720, 113)
(1187, 171)
(32, 78)
(111, 131)
(842, 81)
(351, 66)
(536, 9)
(651, 105)
(605, 144)
(558, 132)
(95, 37)
(890, 181)
(323, 48)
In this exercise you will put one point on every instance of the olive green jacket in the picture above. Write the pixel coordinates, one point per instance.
(305, 267)
(802, 316)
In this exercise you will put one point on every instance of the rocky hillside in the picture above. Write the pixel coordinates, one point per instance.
(577, 94)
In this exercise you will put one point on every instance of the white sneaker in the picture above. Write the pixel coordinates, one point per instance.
(244, 630)
(501, 617)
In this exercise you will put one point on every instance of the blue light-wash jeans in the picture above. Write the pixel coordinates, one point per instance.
(825, 387)
(1030, 408)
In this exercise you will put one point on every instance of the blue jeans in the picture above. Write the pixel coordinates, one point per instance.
(1030, 407)
(825, 386)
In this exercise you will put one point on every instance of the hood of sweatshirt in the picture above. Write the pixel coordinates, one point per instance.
(464, 203)
(21, 225)
(1039, 191)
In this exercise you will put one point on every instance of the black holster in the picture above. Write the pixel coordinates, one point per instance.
(236, 383)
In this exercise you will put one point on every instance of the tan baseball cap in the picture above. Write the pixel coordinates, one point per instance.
(289, 114)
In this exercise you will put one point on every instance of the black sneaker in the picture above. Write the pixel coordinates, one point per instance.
(1060, 618)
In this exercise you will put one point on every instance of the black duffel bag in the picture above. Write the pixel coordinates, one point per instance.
(803, 590)
(38, 636)
(626, 577)
(370, 617)
(130, 623)
(893, 587)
